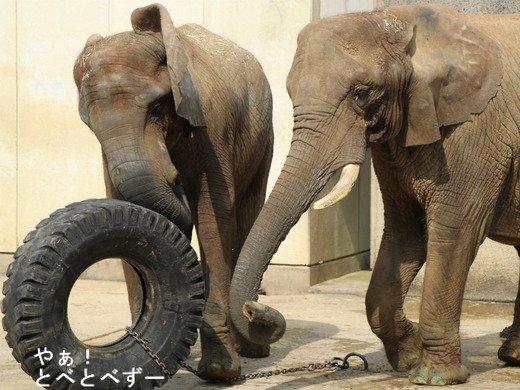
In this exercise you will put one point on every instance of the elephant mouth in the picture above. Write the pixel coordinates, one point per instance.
(376, 133)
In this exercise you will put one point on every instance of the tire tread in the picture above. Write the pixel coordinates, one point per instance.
(40, 256)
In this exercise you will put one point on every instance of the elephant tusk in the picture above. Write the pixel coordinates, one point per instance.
(342, 188)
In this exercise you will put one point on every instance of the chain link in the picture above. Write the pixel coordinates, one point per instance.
(310, 367)
(266, 374)
(149, 351)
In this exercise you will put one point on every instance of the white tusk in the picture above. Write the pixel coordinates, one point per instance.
(349, 174)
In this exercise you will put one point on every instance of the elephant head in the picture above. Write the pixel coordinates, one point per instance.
(137, 94)
(393, 78)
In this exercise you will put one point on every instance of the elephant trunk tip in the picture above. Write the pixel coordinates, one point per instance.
(265, 323)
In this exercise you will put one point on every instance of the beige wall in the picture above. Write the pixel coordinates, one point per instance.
(49, 158)
(58, 158)
(8, 137)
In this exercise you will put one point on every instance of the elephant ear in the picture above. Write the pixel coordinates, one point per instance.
(155, 18)
(456, 71)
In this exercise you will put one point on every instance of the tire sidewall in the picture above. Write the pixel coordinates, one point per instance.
(159, 260)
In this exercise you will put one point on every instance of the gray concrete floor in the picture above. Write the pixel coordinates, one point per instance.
(326, 322)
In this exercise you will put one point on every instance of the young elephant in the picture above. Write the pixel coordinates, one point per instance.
(184, 114)
(434, 93)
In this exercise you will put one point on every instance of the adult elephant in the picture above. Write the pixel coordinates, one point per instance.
(434, 93)
(184, 118)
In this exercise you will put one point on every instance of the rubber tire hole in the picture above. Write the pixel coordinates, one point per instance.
(100, 290)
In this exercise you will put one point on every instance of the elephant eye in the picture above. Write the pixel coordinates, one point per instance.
(161, 107)
(361, 96)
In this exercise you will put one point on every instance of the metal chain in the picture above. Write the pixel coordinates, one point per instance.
(149, 351)
(310, 367)
(266, 374)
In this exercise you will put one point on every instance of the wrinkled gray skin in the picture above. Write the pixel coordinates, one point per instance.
(435, 95)
(184, 120)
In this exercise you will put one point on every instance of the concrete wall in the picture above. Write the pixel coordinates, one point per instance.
(49, 158)
(8, 131)
(468, 6)
(494, 274)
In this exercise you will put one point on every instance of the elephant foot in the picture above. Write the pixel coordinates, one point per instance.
(405, 353)
(251, 350)
(438, 374)
(509, 352)
(219, 359)
(219, 362)
(506, 332)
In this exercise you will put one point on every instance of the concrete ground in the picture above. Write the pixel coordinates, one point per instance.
(327, 322)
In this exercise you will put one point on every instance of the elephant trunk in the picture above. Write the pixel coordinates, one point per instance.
(147, 179)
(304, 174)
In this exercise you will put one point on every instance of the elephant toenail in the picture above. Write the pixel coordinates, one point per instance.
(214, 367)
(420, 380)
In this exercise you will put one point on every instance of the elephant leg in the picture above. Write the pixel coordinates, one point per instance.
(452, 247)
(248, 208)
(219, 356)
(215, 226)
(401, 255)
(509, 352)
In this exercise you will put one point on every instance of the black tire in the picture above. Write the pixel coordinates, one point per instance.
(55, 254)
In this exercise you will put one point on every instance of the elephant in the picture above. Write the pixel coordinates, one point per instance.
(184, 119)
(434, 94)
